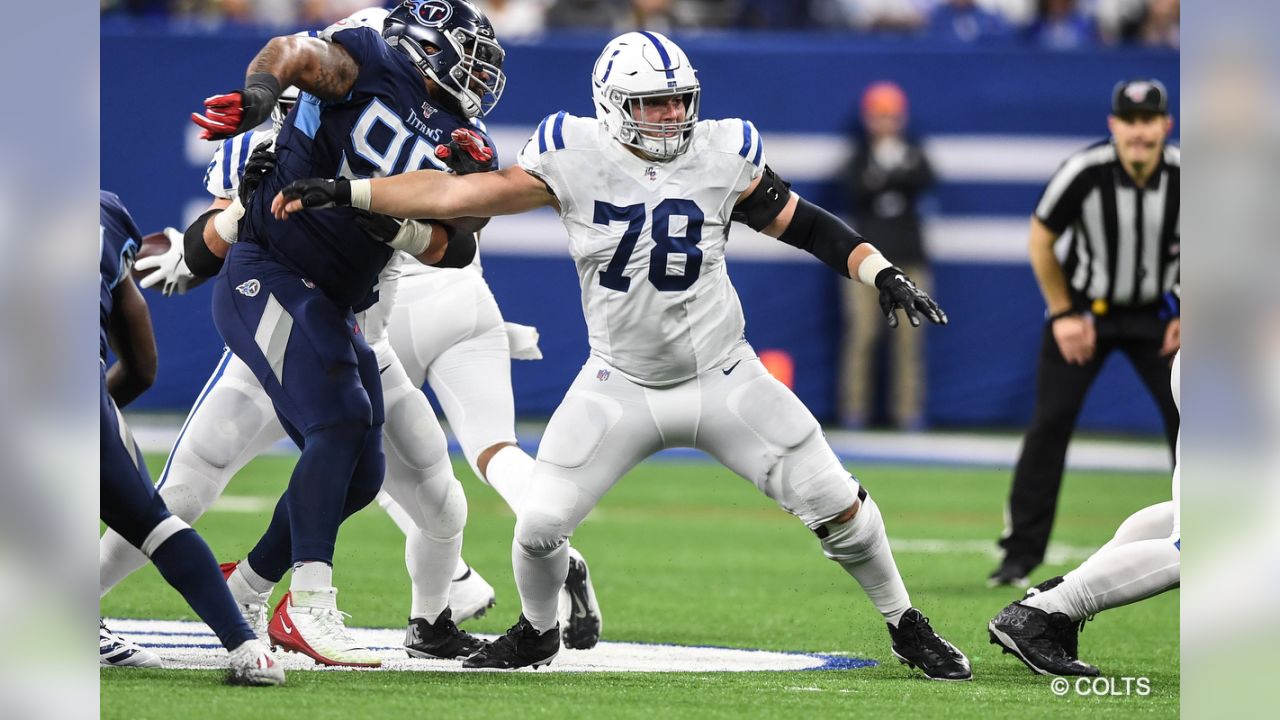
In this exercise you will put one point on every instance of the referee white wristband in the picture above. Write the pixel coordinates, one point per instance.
(871, 266)
(227, 222)
(361, 194)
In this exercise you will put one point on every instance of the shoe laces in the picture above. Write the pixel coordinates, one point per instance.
(929, 639)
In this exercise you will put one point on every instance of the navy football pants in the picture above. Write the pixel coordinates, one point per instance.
(322, 378)
(131, 507)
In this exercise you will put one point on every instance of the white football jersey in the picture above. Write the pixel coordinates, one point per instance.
(648, 240)
(222, 178)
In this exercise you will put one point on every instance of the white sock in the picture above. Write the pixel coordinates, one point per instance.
(116, 560)
(430, 562)
(509, 472)
(862, 549)
(539, 579)
(247, 586)
(1113, 576)
(311, 576)
(461, 570)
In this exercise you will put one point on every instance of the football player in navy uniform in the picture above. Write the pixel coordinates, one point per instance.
(286, 300)
(129, 503)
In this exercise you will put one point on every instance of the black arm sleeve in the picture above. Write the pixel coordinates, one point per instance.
(461, 250)
(822, 235)
(200, 260)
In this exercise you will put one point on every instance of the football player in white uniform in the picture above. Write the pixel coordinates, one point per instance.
(1142, 560)
(646, 192)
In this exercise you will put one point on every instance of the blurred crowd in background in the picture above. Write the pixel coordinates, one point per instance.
(1050, 24)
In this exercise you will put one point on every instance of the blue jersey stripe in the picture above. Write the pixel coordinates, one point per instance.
(226, 163)
(244, 153)
(746, 139)
(307, 118)
(208, 387)
(662, 53)
(557, 131)
(542, 135)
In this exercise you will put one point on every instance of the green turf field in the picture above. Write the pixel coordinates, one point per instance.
(687, 553)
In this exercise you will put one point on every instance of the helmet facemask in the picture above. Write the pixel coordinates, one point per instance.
(288, 98)
(463, 64)
(659, 141)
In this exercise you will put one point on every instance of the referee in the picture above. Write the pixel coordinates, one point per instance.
(1113, 290)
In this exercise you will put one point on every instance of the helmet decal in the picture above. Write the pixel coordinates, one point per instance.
(434, 13)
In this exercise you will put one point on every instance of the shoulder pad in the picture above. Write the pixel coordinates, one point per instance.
(562, 130)
(737, 136)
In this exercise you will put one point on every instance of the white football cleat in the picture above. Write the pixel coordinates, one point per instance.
(253, 664)
(470, 596)
(255, 613)
(117, 651)
(579, 611)
(310, 623)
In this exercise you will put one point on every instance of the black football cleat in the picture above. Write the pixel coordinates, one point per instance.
(1069, 634)
(582, 626)
(522, 646)
(916, 645)
(1009, 574)
(441, 641)
(1037, 639)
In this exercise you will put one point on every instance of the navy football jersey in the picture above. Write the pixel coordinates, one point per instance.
(118, 243)
(388, 124)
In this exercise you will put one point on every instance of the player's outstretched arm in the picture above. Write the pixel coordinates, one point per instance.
(323, 69)
(134, 344)
(769, 206)
(421, 194)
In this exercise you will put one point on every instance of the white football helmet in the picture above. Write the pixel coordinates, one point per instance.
(638, 68)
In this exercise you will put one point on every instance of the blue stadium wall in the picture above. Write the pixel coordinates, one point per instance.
(999, 119)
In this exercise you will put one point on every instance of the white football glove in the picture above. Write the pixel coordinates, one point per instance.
(523, 340)
(170, 267)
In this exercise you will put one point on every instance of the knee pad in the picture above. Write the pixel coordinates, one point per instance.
(446, 514)
(413, 432)
(189, 494)
(224, 426)
(857, 540)
(577, 428)
(539, 534)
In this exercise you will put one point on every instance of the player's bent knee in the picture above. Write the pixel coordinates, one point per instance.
(189, 496)
(857, 539)
(540, 534)
(577, 429)
(447, 517)
(414, 433)
(229, 421)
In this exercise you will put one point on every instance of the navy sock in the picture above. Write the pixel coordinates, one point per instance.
(186, 563)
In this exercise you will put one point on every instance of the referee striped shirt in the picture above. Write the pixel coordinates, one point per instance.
(1124, 243)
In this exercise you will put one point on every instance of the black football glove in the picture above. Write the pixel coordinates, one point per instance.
(897, 291)
(261, 163)
(382, 228)
(466, 153)
(316, 193)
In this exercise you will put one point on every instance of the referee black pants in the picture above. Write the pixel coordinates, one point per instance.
(1060, 392)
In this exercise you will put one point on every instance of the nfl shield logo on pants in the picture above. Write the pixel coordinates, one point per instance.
(602, 375)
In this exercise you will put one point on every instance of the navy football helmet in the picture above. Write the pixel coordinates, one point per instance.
(453, 44)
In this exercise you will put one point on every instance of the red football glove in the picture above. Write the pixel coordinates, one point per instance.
(223, 114)
(466, 152)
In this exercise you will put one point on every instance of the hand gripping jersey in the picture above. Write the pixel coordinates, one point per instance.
(648, 239)
(118, 243)
(386, 125)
